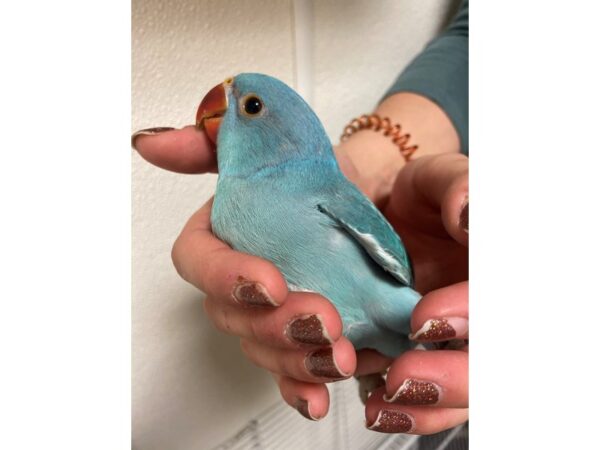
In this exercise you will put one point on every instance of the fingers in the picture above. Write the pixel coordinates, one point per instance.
(435, 378)
(314, 366)
(305, 319)
(223, 274)
(310, 399)
(393, 418)
(187, 150)
(371, 361)
(442, 314)
(443, 182)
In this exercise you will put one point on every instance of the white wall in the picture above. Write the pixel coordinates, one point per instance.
(192, 387)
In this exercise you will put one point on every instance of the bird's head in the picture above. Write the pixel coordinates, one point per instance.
(257, 121)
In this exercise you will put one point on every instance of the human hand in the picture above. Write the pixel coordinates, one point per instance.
(427, 391)
(189, 151)
(297, 336)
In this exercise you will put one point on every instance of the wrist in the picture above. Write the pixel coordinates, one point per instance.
(372, 160)
(428, 125)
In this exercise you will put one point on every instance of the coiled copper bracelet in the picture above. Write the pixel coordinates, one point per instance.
(376, 123)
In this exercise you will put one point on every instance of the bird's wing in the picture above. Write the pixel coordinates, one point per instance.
(363, 221)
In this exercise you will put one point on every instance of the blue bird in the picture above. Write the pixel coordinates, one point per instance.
(281, 196)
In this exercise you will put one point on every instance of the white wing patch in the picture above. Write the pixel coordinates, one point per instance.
(294, 288)
(372, 246)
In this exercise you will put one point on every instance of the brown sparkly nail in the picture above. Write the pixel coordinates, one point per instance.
(321, 363)
(148, 132)
(464, 217)
(308, 330)
(251, 293)
(416, 392)
(389, 421)
(302, 406)
(434, 329)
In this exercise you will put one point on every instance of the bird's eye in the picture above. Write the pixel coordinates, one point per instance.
(252, 105)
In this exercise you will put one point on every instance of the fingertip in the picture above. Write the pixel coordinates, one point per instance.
(311, 400)
(326, 311)
(275, 283)
(442, 314)
(373, 405)
(345, 356)
(266, 275)
(455, 210)
(186, 150)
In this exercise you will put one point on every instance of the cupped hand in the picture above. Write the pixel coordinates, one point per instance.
(427, 391)
(297, 336)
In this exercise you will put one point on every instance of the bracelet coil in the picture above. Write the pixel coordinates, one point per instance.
(376, 123)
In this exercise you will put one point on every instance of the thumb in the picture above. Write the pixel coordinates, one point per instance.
(187, 150)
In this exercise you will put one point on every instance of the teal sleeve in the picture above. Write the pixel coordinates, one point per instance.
(441, 73)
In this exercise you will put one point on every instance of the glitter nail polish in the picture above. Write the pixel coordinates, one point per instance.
(251, 293)
(308, 329)
(442, 329)
(321, 363)
(148, 132)
(302, 406)
(416, 392)
(390, 421)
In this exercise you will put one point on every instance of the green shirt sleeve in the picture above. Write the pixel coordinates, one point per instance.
(441, 73)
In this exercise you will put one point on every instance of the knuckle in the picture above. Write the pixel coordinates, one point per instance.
(246, 346)
(254, 328)
(176, 258)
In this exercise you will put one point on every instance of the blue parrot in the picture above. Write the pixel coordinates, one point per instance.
(281, 196)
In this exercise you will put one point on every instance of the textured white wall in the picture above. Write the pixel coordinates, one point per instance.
(191, 385)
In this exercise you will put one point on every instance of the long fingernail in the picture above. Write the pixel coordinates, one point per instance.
(252, 293)
(416, 392)
(308, 329)
(303, 408)
(148, 132)
(463, 221)
(321, 363)
(442, 329)
(389, 421)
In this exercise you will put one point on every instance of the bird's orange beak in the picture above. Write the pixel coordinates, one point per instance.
(212, 109)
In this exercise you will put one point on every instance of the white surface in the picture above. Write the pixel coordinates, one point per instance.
(191, 385)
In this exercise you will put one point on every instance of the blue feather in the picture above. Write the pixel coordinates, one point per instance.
(281, 196)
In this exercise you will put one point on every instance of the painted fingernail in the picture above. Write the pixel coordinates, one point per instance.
(303, 408)
(389, 421)
(416, 392)
(251, 293)
(442, 329)
(321, 363)
(464, 217)
(308, 329)
(148, 132)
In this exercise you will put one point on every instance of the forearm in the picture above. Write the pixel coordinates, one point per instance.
(371, 160)
(429, 100)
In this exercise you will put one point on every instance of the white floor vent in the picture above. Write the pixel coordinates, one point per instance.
(281, 428)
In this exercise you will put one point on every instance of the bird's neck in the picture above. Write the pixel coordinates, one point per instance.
(309, 166)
